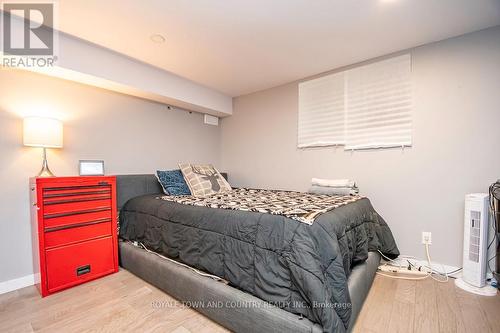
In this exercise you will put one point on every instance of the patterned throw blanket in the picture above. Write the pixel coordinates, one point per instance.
(303, 207)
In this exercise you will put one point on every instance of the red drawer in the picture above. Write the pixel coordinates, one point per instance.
(77, 234)
(76, 198)
(59, 207)
(94, 214)
(77, 263)
(52, 193)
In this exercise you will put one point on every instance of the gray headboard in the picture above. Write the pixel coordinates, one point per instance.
(131, 186)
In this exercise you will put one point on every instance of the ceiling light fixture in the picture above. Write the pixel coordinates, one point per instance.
(157, 38)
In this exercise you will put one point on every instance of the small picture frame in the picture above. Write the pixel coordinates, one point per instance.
(91, 168)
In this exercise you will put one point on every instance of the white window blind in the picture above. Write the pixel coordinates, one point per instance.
(321, 111)
(379, 104)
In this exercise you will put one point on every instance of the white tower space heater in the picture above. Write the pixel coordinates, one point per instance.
(476, 225)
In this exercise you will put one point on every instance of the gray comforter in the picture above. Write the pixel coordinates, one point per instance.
(298, 267)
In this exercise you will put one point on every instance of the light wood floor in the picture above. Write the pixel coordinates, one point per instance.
(122, 302)
(426, 306)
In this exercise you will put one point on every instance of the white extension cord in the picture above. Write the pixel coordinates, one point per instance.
(430, 266)
(401, 270)
(387, 268)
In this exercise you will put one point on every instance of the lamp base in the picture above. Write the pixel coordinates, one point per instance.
(45, 171)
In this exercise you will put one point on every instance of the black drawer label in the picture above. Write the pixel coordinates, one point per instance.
(83, 270)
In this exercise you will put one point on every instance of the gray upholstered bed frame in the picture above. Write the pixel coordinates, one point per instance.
(241, 312)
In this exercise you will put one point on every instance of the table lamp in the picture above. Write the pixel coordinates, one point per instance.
(44, 133)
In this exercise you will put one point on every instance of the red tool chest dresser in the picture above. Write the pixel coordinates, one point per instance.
(74, 233)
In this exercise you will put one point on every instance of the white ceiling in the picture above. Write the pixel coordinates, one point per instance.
(238, 47)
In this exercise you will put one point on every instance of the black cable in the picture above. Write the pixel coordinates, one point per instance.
(492, 192)
(445, 273)
(490, 261)
(436, 271)
(493, 189)
(492, 240)
(455, 271)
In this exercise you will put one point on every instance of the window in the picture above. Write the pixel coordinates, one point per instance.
(379, 104)
(365, 107)
(321, 111)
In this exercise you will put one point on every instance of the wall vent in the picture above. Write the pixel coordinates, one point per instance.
(211, 120)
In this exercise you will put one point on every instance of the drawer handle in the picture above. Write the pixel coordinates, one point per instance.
(83, 224)
(83, 270)
(73, 194)
(47, 189)
(96, 210)
(57, 202)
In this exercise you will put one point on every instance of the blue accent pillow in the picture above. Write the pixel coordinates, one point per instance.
(173, 182)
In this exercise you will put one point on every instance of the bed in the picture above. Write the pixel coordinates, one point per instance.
(283, 275)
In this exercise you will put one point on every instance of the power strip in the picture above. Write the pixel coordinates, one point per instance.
(401, 270)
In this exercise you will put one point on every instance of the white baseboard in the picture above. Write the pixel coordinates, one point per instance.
(18, 283)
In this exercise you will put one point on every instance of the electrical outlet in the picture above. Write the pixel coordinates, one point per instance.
(426, 237)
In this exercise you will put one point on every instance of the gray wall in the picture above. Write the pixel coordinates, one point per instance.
(130, 134)
(456, 145)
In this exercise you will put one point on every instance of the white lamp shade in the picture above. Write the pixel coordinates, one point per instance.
(43, 132)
